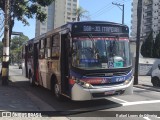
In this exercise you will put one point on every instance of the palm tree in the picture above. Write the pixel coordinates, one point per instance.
(81, 13)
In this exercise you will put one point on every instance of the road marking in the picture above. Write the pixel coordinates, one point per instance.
(120, 99)
(140, 102)
(146, 118)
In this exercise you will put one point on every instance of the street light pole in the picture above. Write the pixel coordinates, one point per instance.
(5, 62)
(122, 5)
(123, 14)
(139, 15)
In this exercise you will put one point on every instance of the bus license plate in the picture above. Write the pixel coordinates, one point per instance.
(109, 92)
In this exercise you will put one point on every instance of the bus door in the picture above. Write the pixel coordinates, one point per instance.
(36, 68)
(26, 60)
(65, 41)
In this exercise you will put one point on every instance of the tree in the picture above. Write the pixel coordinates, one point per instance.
(156, 50)
(23, 9)
(147, 46)
(16, 47)
(81, 13)
(20, 10)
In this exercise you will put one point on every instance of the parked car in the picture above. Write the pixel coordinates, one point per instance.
(155, 76)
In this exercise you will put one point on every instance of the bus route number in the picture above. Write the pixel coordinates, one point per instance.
(106, 29)
(87, 28)
(91, 28)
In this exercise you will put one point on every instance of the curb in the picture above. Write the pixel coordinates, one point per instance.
(148, 87)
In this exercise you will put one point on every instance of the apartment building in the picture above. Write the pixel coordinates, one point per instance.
(48, 24)
(150, 18)
(59, 13)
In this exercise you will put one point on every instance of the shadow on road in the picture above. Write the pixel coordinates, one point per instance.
(66, 107)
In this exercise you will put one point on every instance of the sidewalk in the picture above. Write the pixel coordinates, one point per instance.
(144, 82)
(13, 98)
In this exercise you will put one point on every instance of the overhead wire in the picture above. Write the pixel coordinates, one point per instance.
(102, 12)
(105, 9)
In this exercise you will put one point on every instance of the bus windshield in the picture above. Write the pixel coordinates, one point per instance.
(100, 53)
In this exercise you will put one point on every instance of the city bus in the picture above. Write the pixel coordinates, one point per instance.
(81, 60)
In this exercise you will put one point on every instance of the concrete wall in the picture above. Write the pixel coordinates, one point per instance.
(146, 65)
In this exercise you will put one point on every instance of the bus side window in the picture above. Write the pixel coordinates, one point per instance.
(41, 48)
(55, 46)
(30, 50)
(48, 48)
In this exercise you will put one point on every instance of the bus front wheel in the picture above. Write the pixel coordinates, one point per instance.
(57, 92)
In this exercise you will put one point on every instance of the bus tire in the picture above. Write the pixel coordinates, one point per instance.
(155, 81)
(57, 94)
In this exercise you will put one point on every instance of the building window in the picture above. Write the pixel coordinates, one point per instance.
(74, 14)
(149, 13)
(68, 13)
(74, 9)
(68, 18)
(69, 9)
(74, 19)
(69, 4)
(75, 5)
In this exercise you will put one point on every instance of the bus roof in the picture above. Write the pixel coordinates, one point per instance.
(95, 22)
(70, 24)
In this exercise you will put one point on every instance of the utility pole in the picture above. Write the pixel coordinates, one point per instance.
(139, 15)
(5, 62)
(120, 5)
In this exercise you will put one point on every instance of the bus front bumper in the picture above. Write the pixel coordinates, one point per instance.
(80, 94)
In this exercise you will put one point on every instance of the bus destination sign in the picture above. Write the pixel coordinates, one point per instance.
(99, 28)
(106, 29)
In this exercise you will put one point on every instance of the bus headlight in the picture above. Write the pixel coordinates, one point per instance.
(128, 81)
(83, 84)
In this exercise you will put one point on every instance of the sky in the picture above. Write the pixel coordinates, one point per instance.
(97, 10)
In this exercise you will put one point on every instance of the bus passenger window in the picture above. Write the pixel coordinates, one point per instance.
(56, 40)
(42, 52)
(48, 48)
(55, 46)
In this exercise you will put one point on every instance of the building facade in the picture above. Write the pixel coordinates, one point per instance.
(48, 24)
(59, 13)
(150, 18)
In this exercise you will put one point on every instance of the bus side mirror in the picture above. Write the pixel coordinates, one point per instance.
(159, 66)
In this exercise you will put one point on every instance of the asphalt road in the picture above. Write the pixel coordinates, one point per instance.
(135, 107)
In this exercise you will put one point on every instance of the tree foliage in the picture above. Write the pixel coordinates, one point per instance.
(23, 9)
(147, 46)
(16, 47)
(81, 13)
